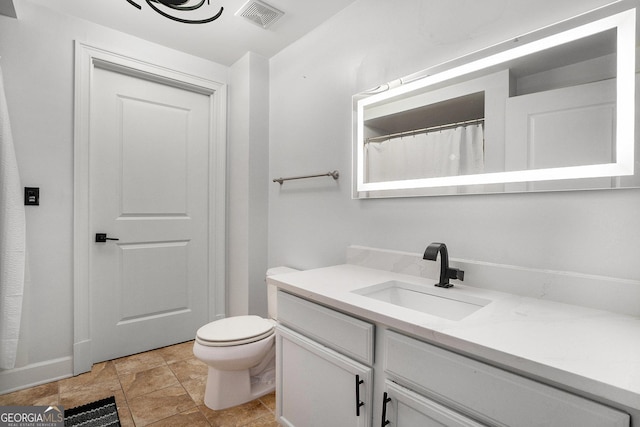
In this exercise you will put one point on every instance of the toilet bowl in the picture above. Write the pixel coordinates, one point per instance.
(240, 353)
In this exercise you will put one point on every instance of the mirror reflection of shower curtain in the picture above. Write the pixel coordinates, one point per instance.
(447, 152)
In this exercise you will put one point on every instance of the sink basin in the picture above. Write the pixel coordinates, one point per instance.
(444, 303)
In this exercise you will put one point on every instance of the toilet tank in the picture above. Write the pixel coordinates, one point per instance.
(272, 291)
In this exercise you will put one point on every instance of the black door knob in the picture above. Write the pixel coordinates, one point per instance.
(102, 238)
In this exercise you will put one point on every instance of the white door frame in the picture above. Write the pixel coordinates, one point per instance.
(87, 58)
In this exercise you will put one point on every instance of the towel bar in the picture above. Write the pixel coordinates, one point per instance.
(333, 174)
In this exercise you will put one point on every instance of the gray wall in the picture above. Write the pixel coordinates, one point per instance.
(375, 41)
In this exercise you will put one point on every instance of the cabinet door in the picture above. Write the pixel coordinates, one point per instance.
(317, 386)
(570, 126)
(404, 408)
(487, 393)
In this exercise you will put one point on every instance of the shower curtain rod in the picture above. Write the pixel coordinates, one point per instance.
(383, 138)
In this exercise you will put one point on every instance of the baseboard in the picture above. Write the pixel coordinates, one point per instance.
(35, 374)
(82, 357)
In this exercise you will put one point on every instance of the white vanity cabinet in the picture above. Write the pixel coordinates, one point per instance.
(485, 393)
(324, 374)
(325, 377)
(403, 407)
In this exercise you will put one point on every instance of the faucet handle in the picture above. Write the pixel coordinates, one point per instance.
(455, 273)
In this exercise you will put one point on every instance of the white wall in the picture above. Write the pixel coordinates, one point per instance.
(37, 60)
(374, 41)
(247, 188)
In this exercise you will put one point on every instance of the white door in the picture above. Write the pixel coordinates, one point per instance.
(148, 188)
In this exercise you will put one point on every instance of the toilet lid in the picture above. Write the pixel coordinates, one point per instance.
(235, 330)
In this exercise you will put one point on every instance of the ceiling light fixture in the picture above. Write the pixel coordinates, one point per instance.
(180, 6)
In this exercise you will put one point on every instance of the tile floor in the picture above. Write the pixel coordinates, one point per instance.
(159, 388)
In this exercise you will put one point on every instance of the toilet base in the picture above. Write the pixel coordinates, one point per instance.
(237, 373)
(220, 395)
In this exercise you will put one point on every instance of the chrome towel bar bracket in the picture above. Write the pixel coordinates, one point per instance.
(334, 174)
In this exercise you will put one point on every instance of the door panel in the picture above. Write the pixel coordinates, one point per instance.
(153, 269)
(149, 188)
(158, 186)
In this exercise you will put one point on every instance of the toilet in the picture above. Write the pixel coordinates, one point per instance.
(240, 352)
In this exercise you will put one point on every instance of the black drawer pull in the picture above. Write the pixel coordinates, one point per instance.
(359, 403)
(385, 399)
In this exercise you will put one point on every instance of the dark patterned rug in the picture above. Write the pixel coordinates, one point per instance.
(102, 413)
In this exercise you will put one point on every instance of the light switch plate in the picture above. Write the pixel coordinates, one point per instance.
(32, 196)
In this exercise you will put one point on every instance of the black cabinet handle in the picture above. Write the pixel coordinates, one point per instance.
(359, 403)
(102, 238)
(385, 399)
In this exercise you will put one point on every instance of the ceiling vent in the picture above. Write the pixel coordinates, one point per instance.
(260, 13)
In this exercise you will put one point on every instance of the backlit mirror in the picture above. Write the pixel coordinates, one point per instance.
(551, 110)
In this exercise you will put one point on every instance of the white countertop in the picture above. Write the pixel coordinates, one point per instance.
(591, 351)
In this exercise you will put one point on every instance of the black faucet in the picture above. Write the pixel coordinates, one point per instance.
(446, 273)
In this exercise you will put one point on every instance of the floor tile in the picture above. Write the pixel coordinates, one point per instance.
(144, 382)
(189, 369)
(124, 413)
(100, 372)
(236, 416)
(177, 352)
(190, 418)
(269, 401)
(196, 389)
(46, 394)
(72, 394)
(267, 421)
(192, 374)
(138, 362)
(159, 404)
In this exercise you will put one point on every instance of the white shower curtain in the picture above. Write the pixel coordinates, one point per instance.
(449, 152)
(12, 241)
